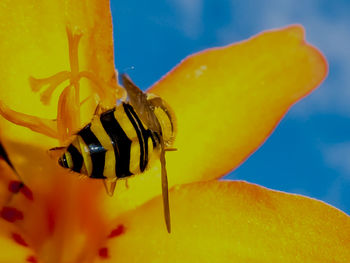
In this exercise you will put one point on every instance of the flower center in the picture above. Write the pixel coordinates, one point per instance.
(63, 221)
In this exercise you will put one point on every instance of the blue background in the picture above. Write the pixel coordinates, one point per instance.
(309, 152)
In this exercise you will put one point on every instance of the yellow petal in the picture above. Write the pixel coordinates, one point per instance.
(231, 222)
(227, 102)
(14, 246)
(35, 45)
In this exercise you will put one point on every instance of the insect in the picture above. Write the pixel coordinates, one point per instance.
(124, 141)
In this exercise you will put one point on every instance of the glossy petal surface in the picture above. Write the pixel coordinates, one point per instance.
(232, 222)
(227, 102)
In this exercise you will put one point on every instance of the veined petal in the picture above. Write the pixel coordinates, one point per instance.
(227, 102)
(34, 45)
(231, 221)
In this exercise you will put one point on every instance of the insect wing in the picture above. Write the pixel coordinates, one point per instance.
(139, 101)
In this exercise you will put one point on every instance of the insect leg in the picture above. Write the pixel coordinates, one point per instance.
(165, 190)
(97, 110)
(126, 183)
(170, 149)
(109, 186)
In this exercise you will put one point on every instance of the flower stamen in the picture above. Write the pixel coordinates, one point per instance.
(53, 81)
(40, 125)
(68, 112)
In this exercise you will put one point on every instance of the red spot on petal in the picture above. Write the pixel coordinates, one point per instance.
(15, 186)
(51, 222)
(19, 239)
(11, 214)
(18, 186)
(117, 232)
(27, 192)
(32, 259)
(103, 252)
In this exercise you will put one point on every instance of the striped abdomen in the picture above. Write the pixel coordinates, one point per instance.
(115, 144)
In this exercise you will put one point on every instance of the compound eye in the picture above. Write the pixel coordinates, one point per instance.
(62, 161)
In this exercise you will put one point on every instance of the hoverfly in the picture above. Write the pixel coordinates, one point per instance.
(122, 141)
(118, 142)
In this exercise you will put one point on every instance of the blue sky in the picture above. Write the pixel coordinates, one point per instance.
(309, 152)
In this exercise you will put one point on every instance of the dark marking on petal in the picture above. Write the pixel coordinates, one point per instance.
(103, 252)
(117, 232)
(27, 192)
(51, 220)
(15, 186)
(4, 156)
(19, 239)
(18, 186)
(32, 259)
(11, 214)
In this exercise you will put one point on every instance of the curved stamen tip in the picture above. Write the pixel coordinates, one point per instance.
(36, 84)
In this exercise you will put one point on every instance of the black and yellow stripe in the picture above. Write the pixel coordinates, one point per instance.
(142, 134)
(124, 141)
(96, 151)
(116, 144)
(120, 141)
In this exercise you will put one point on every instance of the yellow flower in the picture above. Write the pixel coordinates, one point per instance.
(227, 101)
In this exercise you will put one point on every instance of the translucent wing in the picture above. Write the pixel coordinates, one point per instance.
(139, 101)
